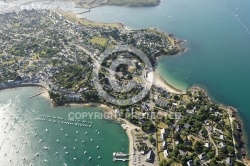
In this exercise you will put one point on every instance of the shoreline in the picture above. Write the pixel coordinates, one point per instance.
(121, 5)
(130, 127)
(159, 81)
(234, 119)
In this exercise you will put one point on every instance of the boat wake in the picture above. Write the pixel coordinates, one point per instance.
(232, 13)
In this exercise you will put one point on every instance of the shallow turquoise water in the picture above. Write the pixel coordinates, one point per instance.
(218, 41)
(18, 138)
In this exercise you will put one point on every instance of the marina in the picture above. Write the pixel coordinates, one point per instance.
(36, 133)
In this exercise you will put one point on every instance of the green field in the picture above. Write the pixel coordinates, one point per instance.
(99, 40)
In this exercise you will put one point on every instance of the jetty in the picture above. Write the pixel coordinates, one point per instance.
(120, 159)
(84, 12)
(36, 95)
(119, 156)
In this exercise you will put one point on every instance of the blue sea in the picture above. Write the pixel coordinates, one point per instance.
(218, 35)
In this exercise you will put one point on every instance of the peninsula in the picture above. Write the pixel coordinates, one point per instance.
(128, 3)
(59, 51)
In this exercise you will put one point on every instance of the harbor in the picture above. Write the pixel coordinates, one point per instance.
(36, 133)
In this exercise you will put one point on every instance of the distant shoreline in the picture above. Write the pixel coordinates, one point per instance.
(121, 3)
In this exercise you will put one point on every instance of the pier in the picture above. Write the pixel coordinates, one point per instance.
(85, 12)
(120, 159)
(36, 95)
(119, 156)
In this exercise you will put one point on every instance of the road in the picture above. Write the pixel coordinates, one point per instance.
(211, 140)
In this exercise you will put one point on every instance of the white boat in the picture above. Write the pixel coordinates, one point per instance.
(99, 157)
(89, 158)
(47, 130)
(85, 152)
(46, 148)
(97, 147)
(91, 140)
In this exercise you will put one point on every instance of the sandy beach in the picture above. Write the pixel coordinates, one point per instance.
(45, 93)
(160, 82)
(129, 130)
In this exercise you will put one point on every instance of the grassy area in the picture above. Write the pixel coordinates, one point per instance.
(162, 125)
(99, 40)
(17, 25)
(36, 57)
(134, 2)
(72, 17)
(227, 133)
(12, 61)
(161, 156)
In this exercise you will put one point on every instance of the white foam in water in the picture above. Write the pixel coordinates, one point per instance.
(234, 15)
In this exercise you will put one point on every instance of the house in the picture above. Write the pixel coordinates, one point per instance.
(163, 146)
(207, 145)
(190, 163)
(181, 152)
(149, 156)
(163, 131)
(186, 125)
(177, 129)
(178, 116)
(221, 137)
(166, 153)
(202, 156)
(228, 161)
(145, 106)
(162, 137)
(222, 145)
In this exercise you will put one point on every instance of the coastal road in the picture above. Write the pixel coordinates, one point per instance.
(211, 140)
(231, 119)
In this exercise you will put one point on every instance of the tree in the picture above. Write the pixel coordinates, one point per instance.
(152, 140)
(198, 147)
(210, 154)
(164, 162)
(147, 127)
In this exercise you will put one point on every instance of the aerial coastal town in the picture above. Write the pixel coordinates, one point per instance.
(52, 49)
